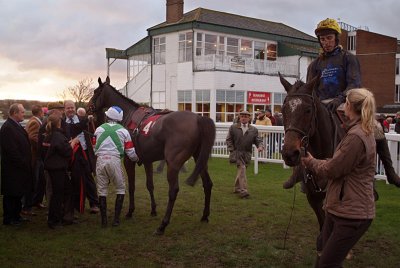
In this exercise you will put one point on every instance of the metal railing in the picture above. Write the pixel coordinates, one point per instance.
(273, 137)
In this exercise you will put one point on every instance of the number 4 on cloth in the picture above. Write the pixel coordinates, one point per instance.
(147, 127)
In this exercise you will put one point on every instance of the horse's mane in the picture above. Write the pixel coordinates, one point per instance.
(297, 85)
(123, 96)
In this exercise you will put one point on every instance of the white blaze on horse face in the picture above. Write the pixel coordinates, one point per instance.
(294, 104)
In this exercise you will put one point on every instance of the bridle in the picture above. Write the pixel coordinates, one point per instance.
(305, 135)
(92, 107)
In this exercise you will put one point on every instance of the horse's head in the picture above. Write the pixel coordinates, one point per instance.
(299, 118)
(97, 102)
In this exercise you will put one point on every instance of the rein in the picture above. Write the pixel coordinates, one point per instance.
(305, 137)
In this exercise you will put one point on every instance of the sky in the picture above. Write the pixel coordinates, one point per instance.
(47, 46)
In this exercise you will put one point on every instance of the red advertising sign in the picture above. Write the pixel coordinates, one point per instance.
(258, 97)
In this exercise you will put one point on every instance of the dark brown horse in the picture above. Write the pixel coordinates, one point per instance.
(175, 137)
(308, 126)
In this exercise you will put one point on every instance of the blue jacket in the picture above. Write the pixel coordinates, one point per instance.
(339, 71)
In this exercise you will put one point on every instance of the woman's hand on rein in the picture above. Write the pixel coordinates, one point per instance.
(306, 159)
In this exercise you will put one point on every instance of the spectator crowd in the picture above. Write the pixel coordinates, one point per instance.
(49, 164)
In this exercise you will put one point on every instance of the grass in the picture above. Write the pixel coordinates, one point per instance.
(241, 233)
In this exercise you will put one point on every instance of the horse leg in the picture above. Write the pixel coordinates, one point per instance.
(130, 171)
(172, 176)
(150, 187)
(316, 202)
(207, 186)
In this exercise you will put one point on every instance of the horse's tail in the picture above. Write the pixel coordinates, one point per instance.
(207, 138)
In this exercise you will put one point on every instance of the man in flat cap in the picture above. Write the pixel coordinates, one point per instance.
(240, 139)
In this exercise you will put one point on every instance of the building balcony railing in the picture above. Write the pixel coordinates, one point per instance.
(284, 65)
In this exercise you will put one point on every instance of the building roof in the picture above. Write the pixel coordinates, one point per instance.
(288, 49)
(140, 47)
(214, 17)
(291, 41)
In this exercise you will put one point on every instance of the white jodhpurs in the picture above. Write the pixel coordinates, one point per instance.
(109, 169)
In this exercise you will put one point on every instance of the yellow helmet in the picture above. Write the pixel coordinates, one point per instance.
(326, 26)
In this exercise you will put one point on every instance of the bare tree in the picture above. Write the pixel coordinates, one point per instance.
(80, 93)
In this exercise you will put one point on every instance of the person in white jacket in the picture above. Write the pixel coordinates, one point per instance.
(113, 141)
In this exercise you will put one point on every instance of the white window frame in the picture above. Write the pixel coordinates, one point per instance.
(397, 94)
(159, 47)
(185, 47)
(239, 99)
(202, 97)
(185, 98)
(351, 41)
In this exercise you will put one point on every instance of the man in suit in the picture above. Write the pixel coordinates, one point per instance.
(83, 159)
(32, 128)
(16, 169)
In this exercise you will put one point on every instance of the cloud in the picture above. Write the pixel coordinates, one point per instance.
(66, 39)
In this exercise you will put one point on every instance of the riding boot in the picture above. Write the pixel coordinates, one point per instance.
(118, 207)
(383, 152)
(294, 178)
(103, 210)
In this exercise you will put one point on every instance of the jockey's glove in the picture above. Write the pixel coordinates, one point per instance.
(334, 104)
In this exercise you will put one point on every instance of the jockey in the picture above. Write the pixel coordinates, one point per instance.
(112, 142)
(339, 70)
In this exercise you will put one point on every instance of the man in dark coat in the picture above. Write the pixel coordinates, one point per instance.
(16, 170)
(83, 159)
(240, 140)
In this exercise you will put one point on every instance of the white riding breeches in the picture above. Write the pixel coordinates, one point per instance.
(109, 169)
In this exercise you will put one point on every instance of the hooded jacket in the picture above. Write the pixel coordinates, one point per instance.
(339, 71)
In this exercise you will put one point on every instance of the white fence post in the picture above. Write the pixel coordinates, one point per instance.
(255, 153)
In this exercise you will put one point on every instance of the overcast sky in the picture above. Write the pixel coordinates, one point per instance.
(49, 45)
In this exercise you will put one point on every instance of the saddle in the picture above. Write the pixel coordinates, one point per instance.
(140, 115)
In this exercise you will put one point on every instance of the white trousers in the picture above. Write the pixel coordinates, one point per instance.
(109, 169)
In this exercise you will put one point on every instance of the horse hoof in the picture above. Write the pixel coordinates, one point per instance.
(350, 255)
(158, 232)
(128, 215)
(204, 219)
(153, 214)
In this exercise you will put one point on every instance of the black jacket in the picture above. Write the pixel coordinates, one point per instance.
(58, 151)
(16, 170)
(75, 130)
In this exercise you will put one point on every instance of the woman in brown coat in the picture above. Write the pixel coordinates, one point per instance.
(349, 203)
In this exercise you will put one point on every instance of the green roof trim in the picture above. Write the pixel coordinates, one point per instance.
(172, 28)
(141, 47)
(290, 49)
(115, 53)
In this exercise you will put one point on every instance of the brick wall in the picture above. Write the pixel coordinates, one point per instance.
(174, 10)
(377, 56)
